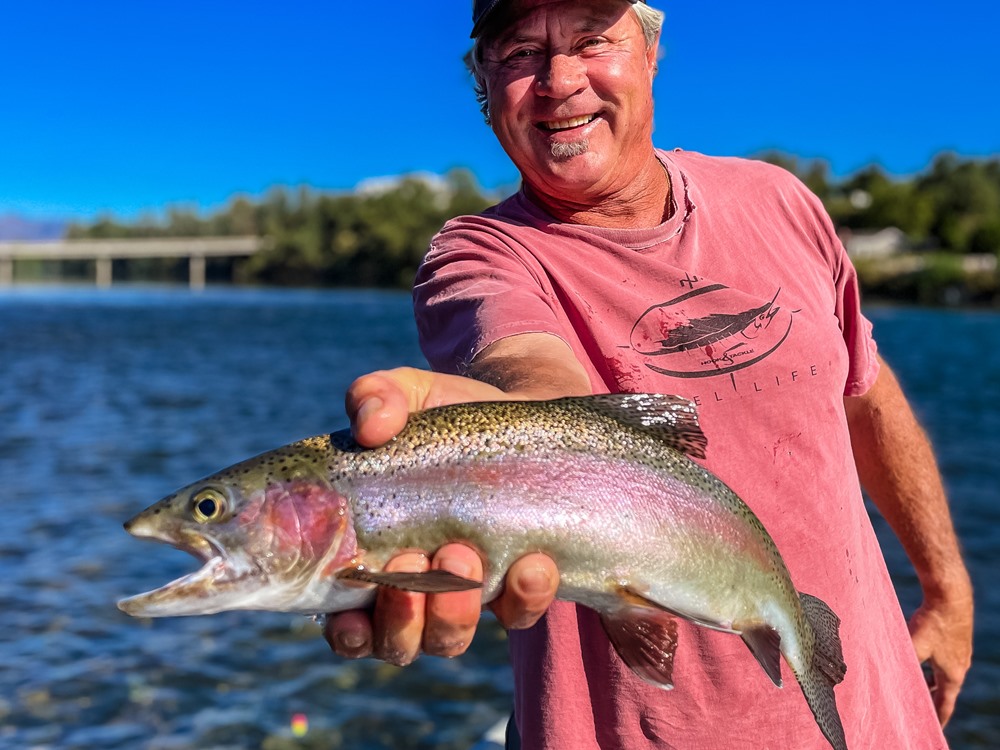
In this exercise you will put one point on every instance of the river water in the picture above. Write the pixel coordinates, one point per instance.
(111, 399)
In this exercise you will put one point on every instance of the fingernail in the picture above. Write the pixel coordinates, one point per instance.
(369, 408)
(350, 641)
(535, 581)
(457, 566)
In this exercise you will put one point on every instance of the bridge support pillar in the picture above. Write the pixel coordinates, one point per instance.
(103, 271)
(196, 272)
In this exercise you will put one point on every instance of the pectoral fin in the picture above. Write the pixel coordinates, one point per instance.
(646, 640)
(764, 643)
(429, 582)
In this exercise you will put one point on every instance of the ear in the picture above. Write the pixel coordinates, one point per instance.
(652, 57)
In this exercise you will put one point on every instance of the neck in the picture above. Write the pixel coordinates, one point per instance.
(643, 202)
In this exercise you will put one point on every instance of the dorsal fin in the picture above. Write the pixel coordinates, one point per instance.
(671, 419)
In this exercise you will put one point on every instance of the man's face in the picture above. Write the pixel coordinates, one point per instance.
(569, 89)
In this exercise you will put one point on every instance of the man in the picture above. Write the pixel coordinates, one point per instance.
(619, 267)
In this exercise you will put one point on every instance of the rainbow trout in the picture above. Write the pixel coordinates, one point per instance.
(603, 484)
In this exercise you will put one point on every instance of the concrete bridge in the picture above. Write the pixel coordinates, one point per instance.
(103, 252)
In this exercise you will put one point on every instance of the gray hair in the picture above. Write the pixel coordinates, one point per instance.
(650, 19)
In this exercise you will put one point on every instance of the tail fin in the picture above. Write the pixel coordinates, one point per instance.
(826, 669)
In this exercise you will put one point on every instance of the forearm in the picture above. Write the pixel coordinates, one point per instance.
(897, 468)
(534, 366)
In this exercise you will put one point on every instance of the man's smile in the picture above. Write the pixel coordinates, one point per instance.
(568, 124)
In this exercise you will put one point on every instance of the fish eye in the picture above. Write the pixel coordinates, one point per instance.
(208, 505)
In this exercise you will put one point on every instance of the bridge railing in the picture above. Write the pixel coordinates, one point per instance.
(103, 252)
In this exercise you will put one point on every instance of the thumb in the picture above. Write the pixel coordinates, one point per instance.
(379, 403)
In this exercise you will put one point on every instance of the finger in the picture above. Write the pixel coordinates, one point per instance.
(945, 694)
(529, 588)
(378, 407)
(944, 702)
(399, 615)
(349, 633)
(379, 403)
(451, 618)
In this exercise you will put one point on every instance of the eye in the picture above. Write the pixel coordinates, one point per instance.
(591, 43)
(519, 54)
(208, 505)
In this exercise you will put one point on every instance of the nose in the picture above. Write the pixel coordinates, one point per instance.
(563, 76)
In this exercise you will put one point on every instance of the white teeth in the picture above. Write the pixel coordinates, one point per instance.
(571, 123)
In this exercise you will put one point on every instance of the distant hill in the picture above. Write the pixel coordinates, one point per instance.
(14, 227)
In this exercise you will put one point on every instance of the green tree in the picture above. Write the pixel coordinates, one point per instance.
(965, 196)
(986, 238)
(874, 201)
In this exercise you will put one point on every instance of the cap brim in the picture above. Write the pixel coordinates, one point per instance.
(479, 23)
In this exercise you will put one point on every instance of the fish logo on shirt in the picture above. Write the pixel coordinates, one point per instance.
(710, 331)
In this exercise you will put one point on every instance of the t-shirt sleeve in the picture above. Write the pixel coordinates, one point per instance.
(863, 364)
(857, 329)
(473, 289)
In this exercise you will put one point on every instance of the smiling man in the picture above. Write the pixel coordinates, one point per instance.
(570, 100)
(619, 267)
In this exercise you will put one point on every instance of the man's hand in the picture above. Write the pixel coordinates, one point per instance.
(403, 624)
(379, 404)
(941, 633)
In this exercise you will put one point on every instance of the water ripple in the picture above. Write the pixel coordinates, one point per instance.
(112, 399)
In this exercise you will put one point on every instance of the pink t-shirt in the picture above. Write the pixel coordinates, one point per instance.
(744, 301)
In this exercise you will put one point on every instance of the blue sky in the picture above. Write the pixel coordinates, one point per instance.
(126, 107)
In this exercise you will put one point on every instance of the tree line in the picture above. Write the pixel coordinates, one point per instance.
(376, 236)
(952, 206)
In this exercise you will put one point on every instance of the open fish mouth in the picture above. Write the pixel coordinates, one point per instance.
(211, 588)
(188, 591)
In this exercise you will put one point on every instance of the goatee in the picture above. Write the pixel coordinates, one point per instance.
(563, 151)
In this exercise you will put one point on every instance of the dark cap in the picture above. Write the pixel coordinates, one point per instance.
(481, 9)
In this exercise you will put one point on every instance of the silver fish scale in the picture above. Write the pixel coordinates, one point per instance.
(421, 489)
(592, 425)
(514, 426)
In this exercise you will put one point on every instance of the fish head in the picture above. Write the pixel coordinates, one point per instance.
(271, 533)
